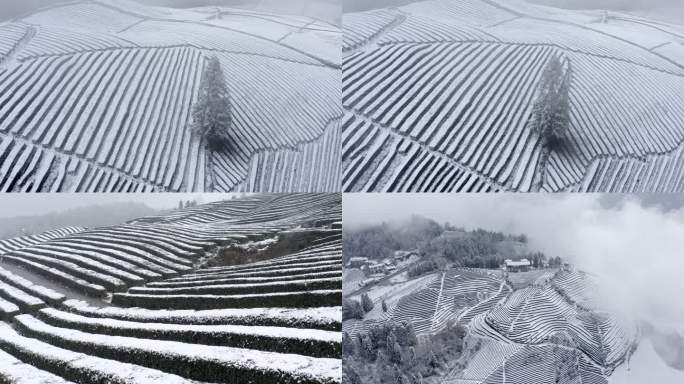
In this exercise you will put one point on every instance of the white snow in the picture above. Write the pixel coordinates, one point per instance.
(122, 371)
(309, 367)
(324, 315)
(275, 332)
(17, 372)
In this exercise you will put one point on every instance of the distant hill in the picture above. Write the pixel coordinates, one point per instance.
(91, 216)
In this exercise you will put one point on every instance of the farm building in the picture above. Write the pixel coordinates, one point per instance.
(522, 265)
(375, 268)
(358, 262)
(400, 256)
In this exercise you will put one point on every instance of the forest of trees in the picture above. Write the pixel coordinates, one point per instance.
(473, 249)
(380, 241)
(440, 244)
(422, 267)
(390, 353)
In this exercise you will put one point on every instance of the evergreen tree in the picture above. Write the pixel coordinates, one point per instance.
(384, 305)
(366, 303)
(348, 347)
(551, 113)
(411, 356)
(393, 348)
(349, 375)
(399, 377)
(411, 335)
(211, 113)
(351, 309)
(368, 352)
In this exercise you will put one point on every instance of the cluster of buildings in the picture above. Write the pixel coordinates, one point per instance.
(382, 267)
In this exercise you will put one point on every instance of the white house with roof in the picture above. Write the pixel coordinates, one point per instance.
(358, 262)
(522, 265)
(374, 268)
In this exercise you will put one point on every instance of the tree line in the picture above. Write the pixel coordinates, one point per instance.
(429, 237)
(354, 309)
(390, 353)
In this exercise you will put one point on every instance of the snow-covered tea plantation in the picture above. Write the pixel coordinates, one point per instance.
(549, 330)
(98, 96)
(242, 291)
(440, 95)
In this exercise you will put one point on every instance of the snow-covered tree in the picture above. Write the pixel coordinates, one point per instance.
(366, 349)
(351, 309)
(393, 348)
(348, 346)
(384, 305)
(211, 113)
(551, 113)
(366, 303)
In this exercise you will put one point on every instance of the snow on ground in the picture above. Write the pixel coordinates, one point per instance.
(269, 60)
(640, 34)
(320, 43)
(392, 293)
(254, 24)
(351, 278)
(261, 245)
(319, 315)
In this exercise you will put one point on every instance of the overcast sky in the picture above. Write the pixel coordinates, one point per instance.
(27, 204)
(636, 248)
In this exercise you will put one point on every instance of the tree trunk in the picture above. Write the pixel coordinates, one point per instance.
(209, 168)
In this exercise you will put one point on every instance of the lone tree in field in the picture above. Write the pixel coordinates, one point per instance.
(551, 113)
(211, 113)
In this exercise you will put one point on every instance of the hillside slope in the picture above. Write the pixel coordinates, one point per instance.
(97, 96)
(550, 330)
(156, 299)
(438, 96)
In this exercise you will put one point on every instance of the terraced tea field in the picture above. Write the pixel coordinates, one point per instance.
(155, 299)
(551, 330)
(547, 333)
(431, 302)
(438, 97)
(98, 96)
